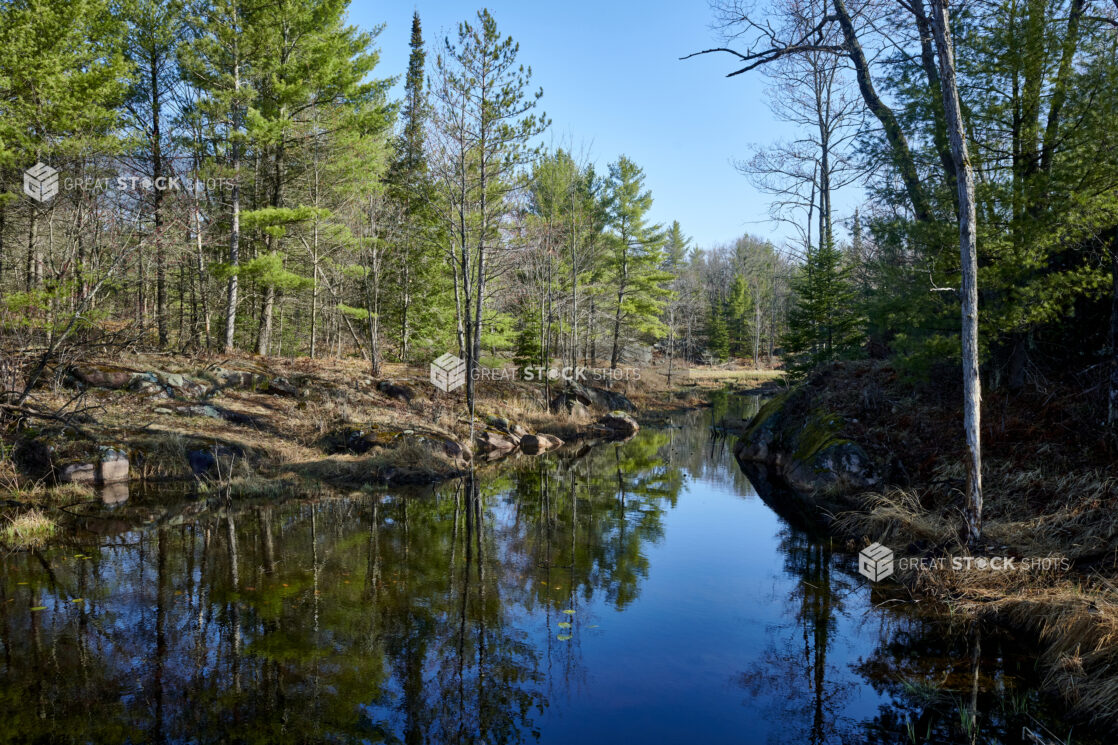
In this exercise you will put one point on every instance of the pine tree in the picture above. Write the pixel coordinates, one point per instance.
(718, 339)
(676, 248)
(484, 109)
(63, 82)
(218, 62)
(414, 262)
(738, 310)
(634, 255)
(823, 321)
(154, 28)
(313, 61)
(527, 352)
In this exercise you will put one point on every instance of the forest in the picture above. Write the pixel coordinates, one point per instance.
(233, 239)
(234, 177)
(237, 179)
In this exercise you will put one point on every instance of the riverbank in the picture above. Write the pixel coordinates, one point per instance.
(254, 426)
(871, 458)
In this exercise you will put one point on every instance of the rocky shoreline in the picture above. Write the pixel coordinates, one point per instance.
(244, 421)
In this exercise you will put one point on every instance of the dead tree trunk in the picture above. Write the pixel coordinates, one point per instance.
(972, 394)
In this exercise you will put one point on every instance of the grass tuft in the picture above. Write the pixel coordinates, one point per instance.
(28, 529)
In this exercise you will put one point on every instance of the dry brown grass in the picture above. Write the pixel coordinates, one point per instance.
(1050, 488)
(896, 516)
(1073, 615)
(718, 375)
(26, 529)
(405, 462)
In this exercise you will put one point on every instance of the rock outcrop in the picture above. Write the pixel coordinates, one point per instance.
(52, 455)
(535, 444)
(398, 391)
(802, 450)
(495, 444)
(578, 399)
(616, 425)
(103, 376)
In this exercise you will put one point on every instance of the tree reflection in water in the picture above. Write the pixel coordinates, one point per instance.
(467, 614)
(394, 617)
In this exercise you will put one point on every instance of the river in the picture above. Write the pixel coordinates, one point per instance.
(630, 593)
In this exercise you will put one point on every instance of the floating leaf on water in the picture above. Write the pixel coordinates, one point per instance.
(564, 625)
(39, 607)
(21, 583)
(78, 600)
(564, 637)
(569, 612)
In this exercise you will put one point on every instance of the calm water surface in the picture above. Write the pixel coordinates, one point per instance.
(633, 593)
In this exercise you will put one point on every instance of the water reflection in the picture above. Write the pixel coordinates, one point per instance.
(631, 591)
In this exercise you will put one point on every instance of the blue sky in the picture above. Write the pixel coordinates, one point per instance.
(613, 84)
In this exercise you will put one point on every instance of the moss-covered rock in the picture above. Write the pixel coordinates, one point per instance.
(360, 440)
(803, 449)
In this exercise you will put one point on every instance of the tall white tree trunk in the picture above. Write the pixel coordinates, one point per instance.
(972, 393)
(235, 219)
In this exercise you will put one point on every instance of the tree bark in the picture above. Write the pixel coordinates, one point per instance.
(972, 395)
(1112, 409)
(939, 126)
(235, 224)
(902, 154)
(157, 201)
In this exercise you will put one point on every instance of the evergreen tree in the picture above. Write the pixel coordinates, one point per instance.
(527, 352)
(718, 339)
(154, 28)
(484, 108)
(676, 248)
(738, 310)
(634, 255)
(311, 61)
(418, 301)
(218, 62)
(823, 321)
(63, 82)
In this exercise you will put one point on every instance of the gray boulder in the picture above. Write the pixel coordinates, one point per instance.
(103, 376)
(108, 465)
(535, 444)
(494, 444)
(398, 391)
(636, 354)
(617, 425)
